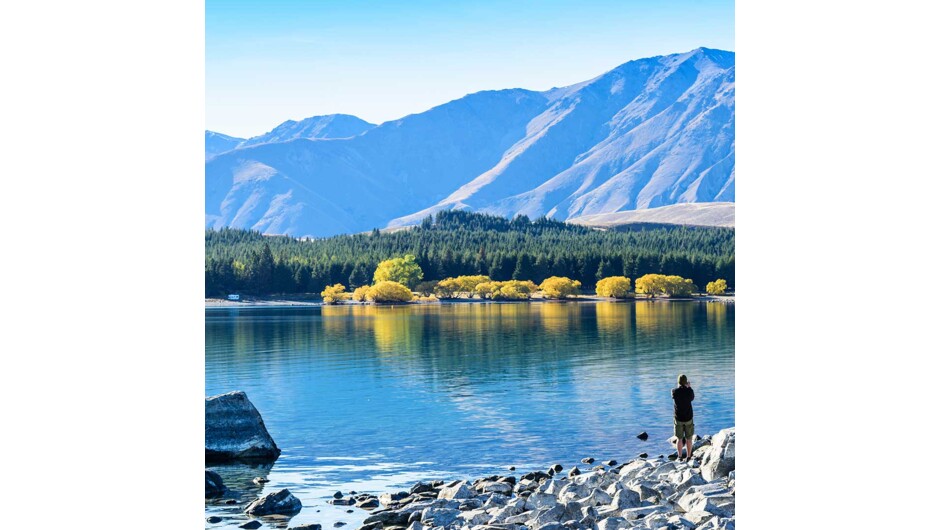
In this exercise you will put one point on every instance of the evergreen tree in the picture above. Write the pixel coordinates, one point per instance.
(359, 276)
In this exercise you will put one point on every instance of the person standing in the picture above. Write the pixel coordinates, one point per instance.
(683, 395)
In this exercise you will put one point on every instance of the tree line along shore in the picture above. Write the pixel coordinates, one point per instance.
(508, 256)
(398, 280)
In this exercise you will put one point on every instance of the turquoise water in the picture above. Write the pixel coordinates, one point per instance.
(370, 398)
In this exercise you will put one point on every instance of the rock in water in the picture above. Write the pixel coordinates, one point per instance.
(282, 502)
(213, 519)
(368, 504)
(308, 526)
(643, 435)
(260, 480)
(719, 458)
(235, 430)
(214, 486)
(250, 525)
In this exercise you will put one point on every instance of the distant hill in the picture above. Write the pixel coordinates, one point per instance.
(217, 143)
(690, 214)
(330, 126)
(652, 132)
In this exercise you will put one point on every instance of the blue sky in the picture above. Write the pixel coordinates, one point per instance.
(270, 61)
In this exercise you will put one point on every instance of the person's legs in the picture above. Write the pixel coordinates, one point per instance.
(689, 453)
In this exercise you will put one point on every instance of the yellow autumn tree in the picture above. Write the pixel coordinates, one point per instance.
(614, 287)
(508, 290)
(334, 293)
(650, 284)
(716, 287)
(486, 289)
(359, 294)
(447, 288)
(559, 287)
(389, 291)
(468, 284)
(677, 286)
(400, 270)
(515, 290)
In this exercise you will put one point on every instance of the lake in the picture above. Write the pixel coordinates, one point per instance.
(375, 398)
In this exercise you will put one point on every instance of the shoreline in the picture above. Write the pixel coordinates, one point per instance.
(309, 301)
(645, 492)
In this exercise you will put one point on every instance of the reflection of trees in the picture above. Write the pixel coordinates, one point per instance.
(558, 317)
(717, 315)
(614, 318)
(520, 340)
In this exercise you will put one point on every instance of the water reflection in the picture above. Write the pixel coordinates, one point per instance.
(372, 398)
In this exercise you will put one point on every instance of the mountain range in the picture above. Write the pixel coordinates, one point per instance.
(649, 133)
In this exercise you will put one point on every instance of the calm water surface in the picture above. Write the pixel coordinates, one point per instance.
(370, 398)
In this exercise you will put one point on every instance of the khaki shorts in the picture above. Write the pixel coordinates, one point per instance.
(685, 429)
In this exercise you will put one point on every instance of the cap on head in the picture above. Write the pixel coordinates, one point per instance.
(683, 380)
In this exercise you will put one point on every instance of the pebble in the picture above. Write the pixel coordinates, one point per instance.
(338, 495)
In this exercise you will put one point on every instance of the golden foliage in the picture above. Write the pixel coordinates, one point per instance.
(334, 293)
(359, 294)
(716, 287)
(559, 287)
(508, 290)
(389, 291)
(614, 287)
(400, 270)
(672, 286)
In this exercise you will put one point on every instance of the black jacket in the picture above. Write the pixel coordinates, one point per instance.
(683, 397)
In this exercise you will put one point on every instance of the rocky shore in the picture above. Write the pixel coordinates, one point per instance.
(650, 493)
(653, 493)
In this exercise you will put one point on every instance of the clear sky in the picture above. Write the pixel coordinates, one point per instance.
(268, 61)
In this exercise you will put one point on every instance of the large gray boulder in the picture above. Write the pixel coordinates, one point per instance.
(278, 503)
(719, 458)
(235, 430)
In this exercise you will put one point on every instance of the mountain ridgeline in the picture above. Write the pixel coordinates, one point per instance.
(454, 243)
(649, 133)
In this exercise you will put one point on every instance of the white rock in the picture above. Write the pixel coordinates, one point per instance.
(625, 499)
(455, 490)
(613, 523)
(439, 516)
(540, 500)
(697, 518)
(719, 459)
(474, 517)
(631, 514)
